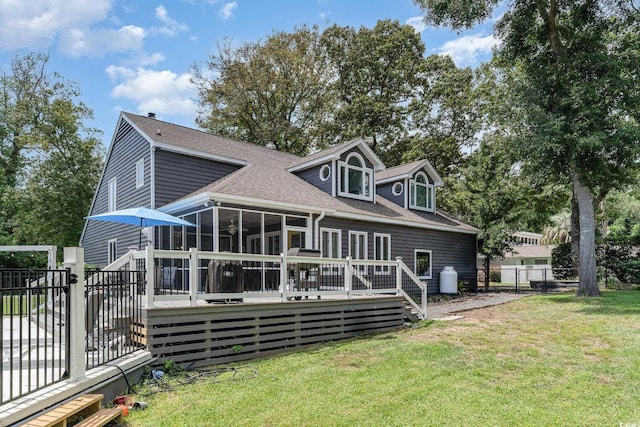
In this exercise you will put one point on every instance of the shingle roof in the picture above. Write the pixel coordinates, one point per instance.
(265, 177)
(184, 137)
(398, 170)
(531, 251)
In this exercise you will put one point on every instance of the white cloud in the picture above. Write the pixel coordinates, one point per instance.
(81, 42)
(417, 22)
(227, 10)
(163, 92)
(467, 50)
(171, 27)
(37, 23)
(152, 59)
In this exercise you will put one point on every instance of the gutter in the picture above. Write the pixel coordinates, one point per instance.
(317, 229)
(201, 198)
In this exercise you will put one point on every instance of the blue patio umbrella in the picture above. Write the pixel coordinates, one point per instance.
(143, 217)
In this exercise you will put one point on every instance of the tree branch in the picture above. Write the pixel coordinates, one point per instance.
(549, 18)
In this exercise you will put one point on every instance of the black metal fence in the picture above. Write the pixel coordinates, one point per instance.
(35, 327)
(528, 278)
(113, 301)
(33, 330)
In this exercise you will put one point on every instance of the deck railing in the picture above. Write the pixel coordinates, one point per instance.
(225, 276)
(113, 303)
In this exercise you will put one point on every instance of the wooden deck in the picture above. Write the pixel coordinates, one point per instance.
(222, 333)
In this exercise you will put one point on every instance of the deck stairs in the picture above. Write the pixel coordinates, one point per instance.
(83, 411)
(411, 315)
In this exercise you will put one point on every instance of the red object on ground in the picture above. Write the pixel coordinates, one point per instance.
(125, 410)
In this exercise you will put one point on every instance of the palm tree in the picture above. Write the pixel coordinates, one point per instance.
(559, 231)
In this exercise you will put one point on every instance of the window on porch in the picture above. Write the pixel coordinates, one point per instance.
(331, 243)
(382, 251)
(358, 247)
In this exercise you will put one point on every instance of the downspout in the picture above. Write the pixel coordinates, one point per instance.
(317, 229)
(151, 236)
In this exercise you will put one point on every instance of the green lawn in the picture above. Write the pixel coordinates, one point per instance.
(17, 305)
(548, 360)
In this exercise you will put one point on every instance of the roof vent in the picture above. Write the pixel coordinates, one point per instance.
(151, 115)
(158, 132)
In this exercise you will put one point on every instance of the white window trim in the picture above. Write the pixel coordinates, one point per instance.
(140, 173)
(327, 171)
(329, 268)
(397, 188)
(384, 269)
(365, 251)
(110, 243)
(331, 231)
(343, 176)
(429, 188)
(112, 193)
(415, 262)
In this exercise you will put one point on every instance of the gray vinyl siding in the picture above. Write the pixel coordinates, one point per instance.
(448, 249)
(128, 147)
(385, 190)
(312, 176)
(178, 175)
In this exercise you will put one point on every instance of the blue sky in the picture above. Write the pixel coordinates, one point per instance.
(135, 55)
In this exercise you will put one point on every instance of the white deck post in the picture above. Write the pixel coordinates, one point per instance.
(399, 274)
(151, 276)
(193, 276)
(74, 261)
(132, 266)
(347, 277)
(283, 276)
(424, 302)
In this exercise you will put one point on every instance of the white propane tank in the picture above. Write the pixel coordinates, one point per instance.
(448, 281)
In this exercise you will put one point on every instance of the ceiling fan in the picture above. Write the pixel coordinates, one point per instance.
(232, 227)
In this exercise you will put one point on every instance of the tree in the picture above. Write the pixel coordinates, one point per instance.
(559, 231)
(51, 162)
(378, 71)
(573, 75)
(306, 90)
(275, 93)
(445, 115)
(490, 196)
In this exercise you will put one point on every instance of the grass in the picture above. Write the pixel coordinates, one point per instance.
(545, 360)
(20, 305)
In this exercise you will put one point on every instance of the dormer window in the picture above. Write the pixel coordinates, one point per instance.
(421, 193)
(355, 178)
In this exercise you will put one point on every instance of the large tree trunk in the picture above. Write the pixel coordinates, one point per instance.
(487, 272)
(575, 235)
(588, 278)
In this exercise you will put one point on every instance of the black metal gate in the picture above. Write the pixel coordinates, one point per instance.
(34, 330)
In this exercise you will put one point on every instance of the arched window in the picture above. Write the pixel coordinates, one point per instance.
(421, 193)
(356, 179)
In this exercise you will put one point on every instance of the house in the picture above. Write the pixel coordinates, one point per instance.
(246, 198)
(527, 260)
(527, 251)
